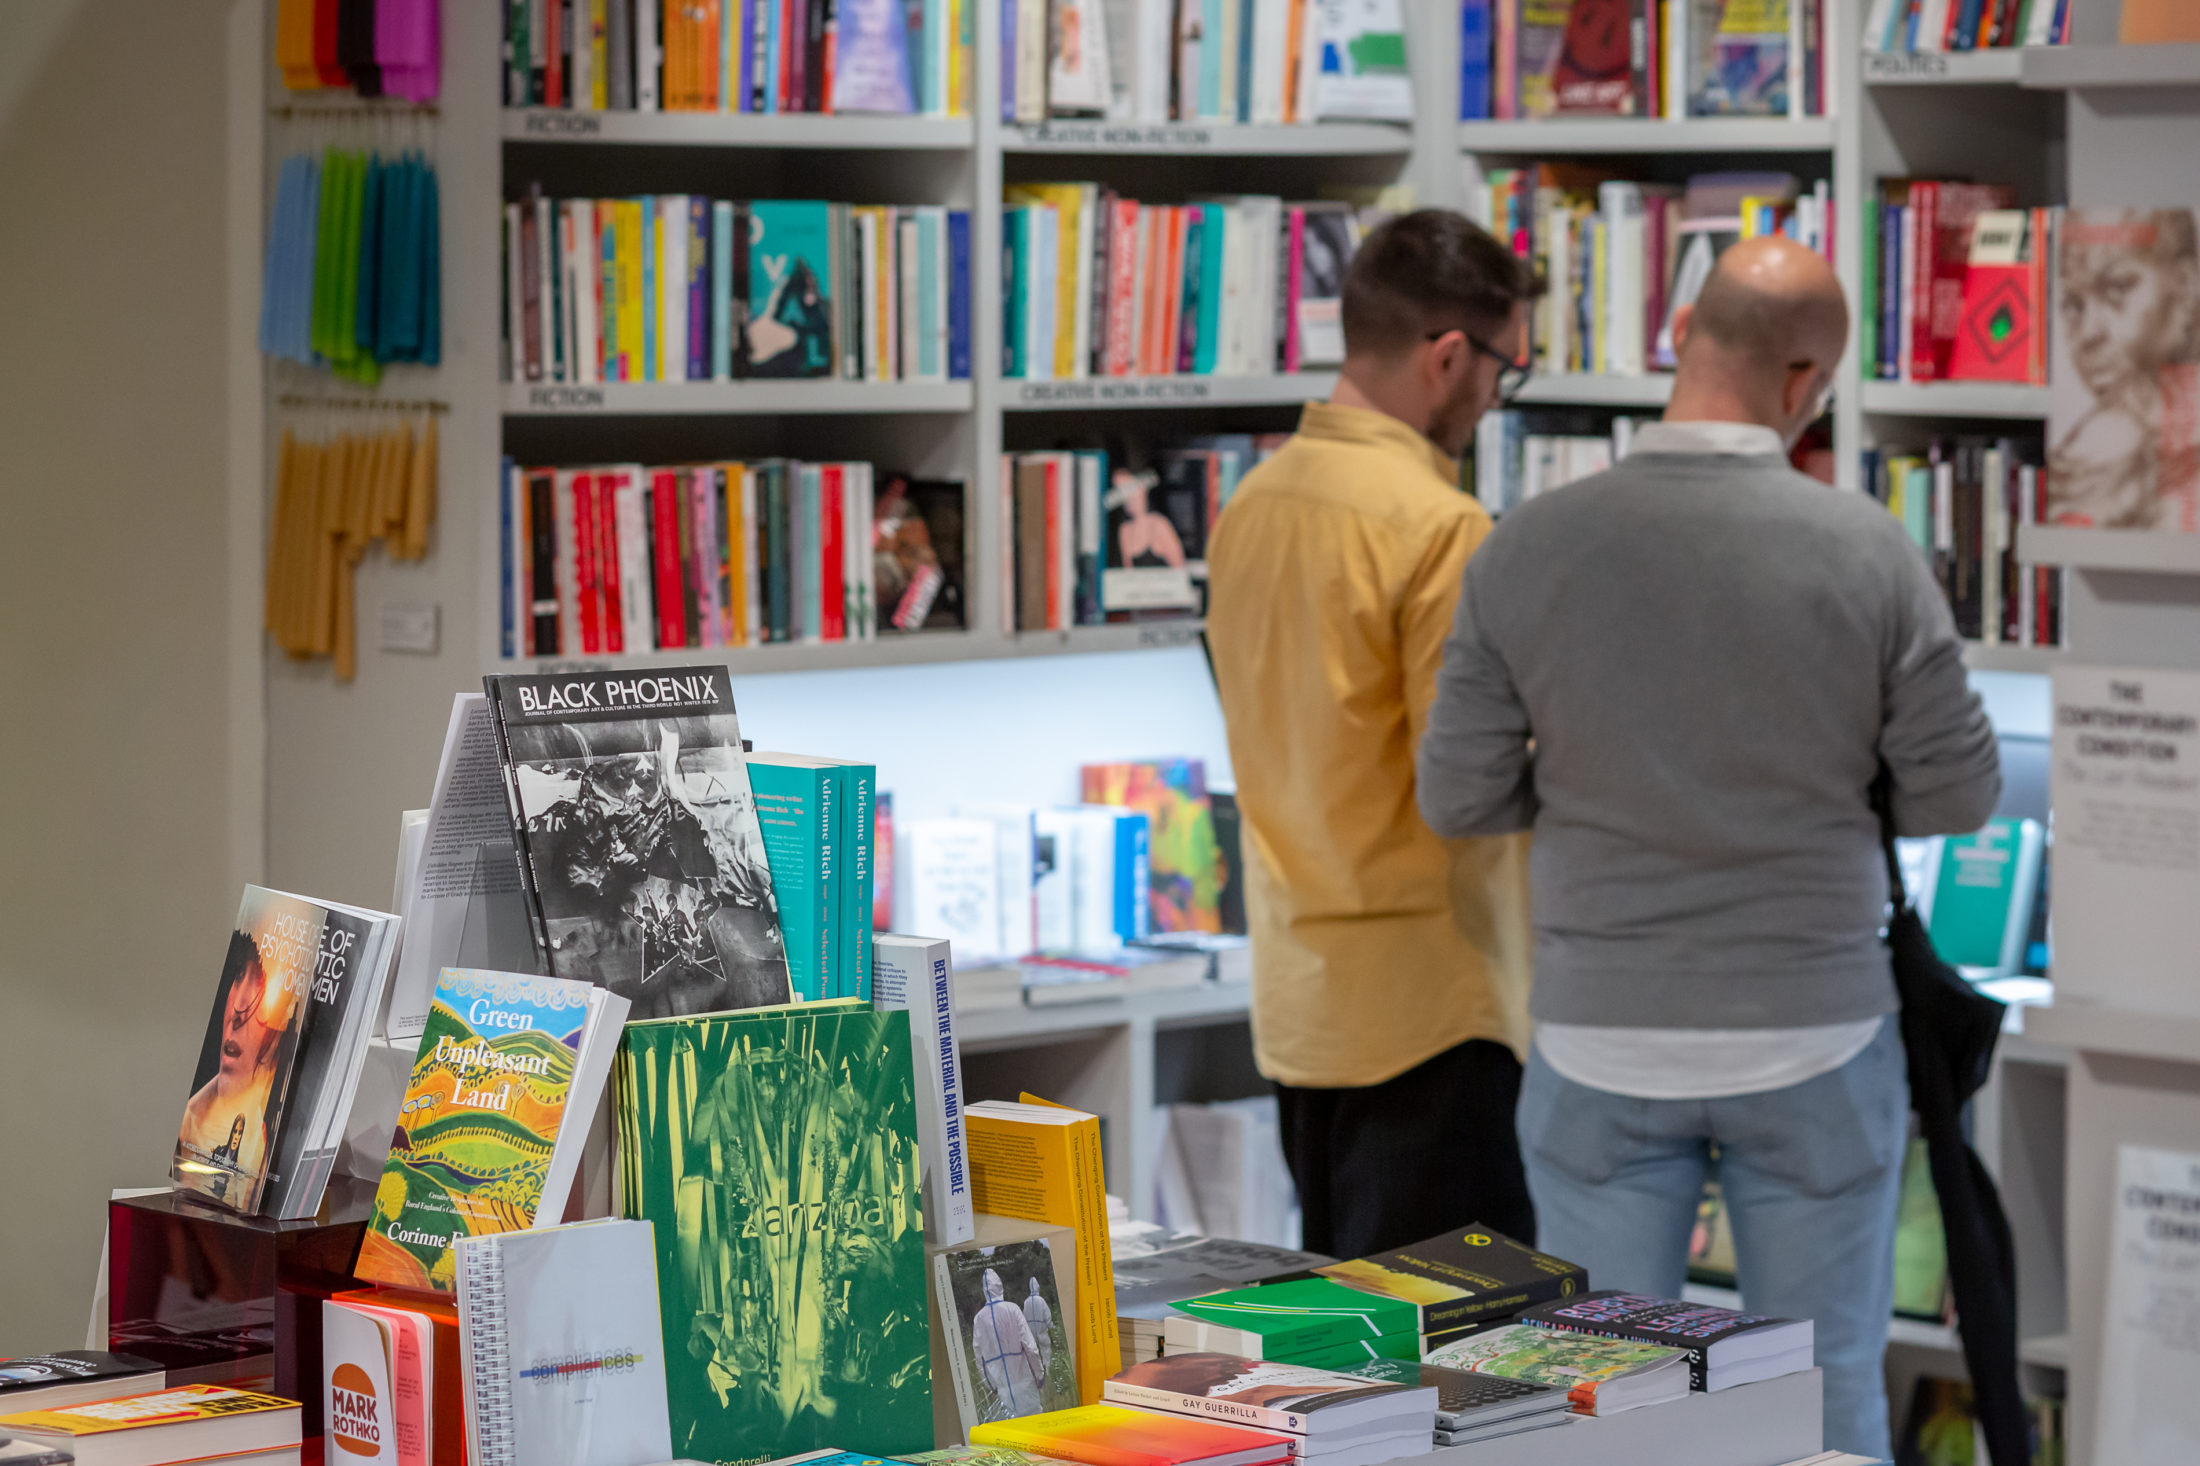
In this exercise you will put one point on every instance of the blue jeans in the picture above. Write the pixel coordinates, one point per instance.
(1810, 1175)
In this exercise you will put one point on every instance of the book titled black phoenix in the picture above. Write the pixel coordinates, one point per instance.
(1470, 1275)
(637, 835)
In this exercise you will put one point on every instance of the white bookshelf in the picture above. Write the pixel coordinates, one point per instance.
(2097, 67)
(895, 649)
(1942, 68)
(2014, 400)
(1986, 656)
(738, 130)
(1562, 135)
(1186, 390)
(2109, 549)
(779, 398)
(1212, 139)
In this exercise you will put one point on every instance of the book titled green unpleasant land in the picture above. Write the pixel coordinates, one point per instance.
(775, 1151)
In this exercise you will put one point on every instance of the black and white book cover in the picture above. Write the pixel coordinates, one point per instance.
(72, 1377)
(638, 837)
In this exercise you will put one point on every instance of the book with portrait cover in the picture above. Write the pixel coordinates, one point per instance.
(638, 839)
(233, 1122)
(1467, 1276)
(2123, 389)
(789, 330)
(775, 1153)
(495, 1115)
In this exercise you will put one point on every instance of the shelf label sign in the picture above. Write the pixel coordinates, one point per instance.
(1887, 64)
(1150, 637)
(1159, 137)
(1114, 389)
(563, 124)
(565, 399)
(2126, 799)
(2150, 1347)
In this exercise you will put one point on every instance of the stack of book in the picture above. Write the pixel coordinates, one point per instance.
(1599, 1376)
(1331, 1419)
(1620, 257)
(1475, 1407)
(683, 288)
(1162, 1268)
(626, 558)
(1115, 1435)
(753, 56)
(1097, 538)
(1098, 285)
(1255, 61)
(1962, 499)
(1545, 58)
(186, 1423)
(1905, 26)
(1955, 283)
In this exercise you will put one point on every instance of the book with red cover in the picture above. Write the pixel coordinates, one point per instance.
(1993, 339)
(664, 513)
(1595, 70)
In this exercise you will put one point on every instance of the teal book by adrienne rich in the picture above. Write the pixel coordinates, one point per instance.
(790, 324)
(775, 1152)
(799, 806)
(850, 790)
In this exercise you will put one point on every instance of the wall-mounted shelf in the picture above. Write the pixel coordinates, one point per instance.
(1994, 67)
(1079, 393)
(913, 649)
(1651, 390)
(1649, 135)
(2083, 68)
(980, 1029)
(752, 396)
(1215, 139)
(2109, 549)
(738, 130)
(1955, 399)
(1982, 656)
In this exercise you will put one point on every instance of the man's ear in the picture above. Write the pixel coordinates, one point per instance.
(1684, 316)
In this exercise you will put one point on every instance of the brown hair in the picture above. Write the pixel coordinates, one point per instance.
(1430, 270)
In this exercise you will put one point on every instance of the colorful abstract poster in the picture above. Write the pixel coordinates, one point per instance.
(475, 1133)
(1184, 859)
(776, 1155)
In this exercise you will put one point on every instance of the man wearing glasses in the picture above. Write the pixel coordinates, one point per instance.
(1389, 966)
(1685, 674)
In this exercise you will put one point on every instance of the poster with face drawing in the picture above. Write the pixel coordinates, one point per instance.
(2123, 425)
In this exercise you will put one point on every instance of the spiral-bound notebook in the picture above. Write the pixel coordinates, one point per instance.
(562, 1349)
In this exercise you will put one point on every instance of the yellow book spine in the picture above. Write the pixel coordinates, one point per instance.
(633, 367)
(736, 557)
(1600, 289)
(1749, 209)
(599, 56)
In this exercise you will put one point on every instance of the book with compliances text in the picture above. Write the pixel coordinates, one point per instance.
(1469, 1275)
(775, 1154)
(490, 1132)
(638, 838)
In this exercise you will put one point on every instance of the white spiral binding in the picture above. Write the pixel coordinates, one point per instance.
(489, 1395)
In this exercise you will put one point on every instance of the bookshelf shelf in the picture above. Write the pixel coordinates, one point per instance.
(981, 1029)
(1222, 140)
(2082, 1025)
(917, 649)
(2015, 400)
(1172, 391)
(2109, 549)
(1997, 67)
(660, 399)
(1652, 390)
(1650, 135)
(2083, 68)
(737, 130)
(2050, 1351)
(1982, 656)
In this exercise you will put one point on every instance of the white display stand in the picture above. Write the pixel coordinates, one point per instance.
(1768, 1424)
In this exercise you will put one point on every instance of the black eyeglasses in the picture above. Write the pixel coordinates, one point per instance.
(1511, 375)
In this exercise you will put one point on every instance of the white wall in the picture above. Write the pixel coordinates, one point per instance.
(117, 870)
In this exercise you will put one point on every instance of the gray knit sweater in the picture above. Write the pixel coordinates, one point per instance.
(1682, 674)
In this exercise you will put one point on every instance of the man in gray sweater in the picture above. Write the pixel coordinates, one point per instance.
(1684, 675)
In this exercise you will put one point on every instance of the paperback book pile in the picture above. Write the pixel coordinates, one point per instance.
(72, 1377)
(1964, 25)
(1331, 1419)
(1002, 883)
(1314, 1321)
(627, 558)
(1962, 499)
(753, 56)
(1475, 1407)
(1113, 1435)
(1724, 1348)
(1522, 452)
(1692, 58)
(1620, 257)
(1098, 285)
(1099, 537)
(1600, 1376)
(1157, 1270)
(187, 1423)
(1956, 280)
(300, 990)
(683, 288)
(1256, 61)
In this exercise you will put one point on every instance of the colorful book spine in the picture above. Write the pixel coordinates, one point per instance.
(798, 809)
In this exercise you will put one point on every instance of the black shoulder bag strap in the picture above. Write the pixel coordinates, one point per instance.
(1949, 1029)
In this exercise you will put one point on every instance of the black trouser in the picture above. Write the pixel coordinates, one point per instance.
(1398, 1162)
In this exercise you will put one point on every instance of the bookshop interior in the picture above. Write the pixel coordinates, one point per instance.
(1122, 732)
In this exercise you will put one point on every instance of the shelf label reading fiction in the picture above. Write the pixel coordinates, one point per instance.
(1904, 63)
(565, 399)
(1159, 137)
(1166, 636)
(1115, 389)
(563, 124)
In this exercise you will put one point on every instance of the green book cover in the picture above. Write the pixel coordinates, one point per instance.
(775, 1153)
(1867, 294)
(1982, 900)
(798, 808)
(1307, 1313)
(858, 877)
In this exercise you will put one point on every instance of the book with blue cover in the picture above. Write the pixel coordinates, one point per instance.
(789, 330)
(871, 58)
(798, 807)
(958, 294)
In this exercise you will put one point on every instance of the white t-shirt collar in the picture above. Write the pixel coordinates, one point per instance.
(1739, 438)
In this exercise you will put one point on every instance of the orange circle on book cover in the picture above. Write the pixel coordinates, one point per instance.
(355, 1413)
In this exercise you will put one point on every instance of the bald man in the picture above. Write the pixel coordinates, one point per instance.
(1684, 675)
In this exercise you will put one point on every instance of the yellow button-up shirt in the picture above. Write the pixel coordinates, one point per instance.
(1333, 576)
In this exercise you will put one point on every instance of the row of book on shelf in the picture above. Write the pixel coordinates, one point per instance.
(1908, 26)
(1095, 284)
(744, 56)
(682, 288)
(1962, 499)
(1670, 59)
(1957, 283)
(1618, 257)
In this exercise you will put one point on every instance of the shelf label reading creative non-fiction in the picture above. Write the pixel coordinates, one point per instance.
(1156, 137)
(2126, 795)
(1082, 390)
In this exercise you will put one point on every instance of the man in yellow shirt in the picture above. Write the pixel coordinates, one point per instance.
(1390, 966)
